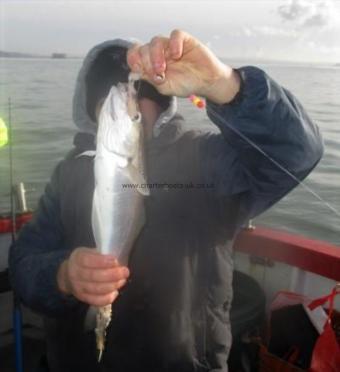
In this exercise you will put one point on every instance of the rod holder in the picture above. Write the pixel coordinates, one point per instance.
(20, 196)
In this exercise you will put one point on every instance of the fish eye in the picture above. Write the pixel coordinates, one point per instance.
(137, 117)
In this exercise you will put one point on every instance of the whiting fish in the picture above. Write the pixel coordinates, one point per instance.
(117, 211)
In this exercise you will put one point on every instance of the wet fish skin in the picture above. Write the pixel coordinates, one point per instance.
(117, 211)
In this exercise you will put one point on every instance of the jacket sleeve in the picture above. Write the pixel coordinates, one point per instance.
(273, 120)
(35, 257)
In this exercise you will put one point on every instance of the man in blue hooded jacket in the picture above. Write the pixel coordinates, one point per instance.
(172, 312)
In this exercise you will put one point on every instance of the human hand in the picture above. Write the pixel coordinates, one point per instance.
(181, 65)
(91, 277)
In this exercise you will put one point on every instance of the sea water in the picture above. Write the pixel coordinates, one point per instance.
(41, 92)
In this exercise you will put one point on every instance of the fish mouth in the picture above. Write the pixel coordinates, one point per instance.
(132, 101)
(127, 94)
(122, 89)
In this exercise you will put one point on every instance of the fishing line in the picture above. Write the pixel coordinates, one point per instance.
(276, 163)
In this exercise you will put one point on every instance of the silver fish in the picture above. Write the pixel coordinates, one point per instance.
(118, 209)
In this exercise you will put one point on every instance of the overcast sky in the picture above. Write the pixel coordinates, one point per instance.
(294, 30)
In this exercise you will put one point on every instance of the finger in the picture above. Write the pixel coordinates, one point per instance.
(177, 38)
(102, 288)
(148, 72)
(90, 257)
(147, 69)
(157, 50)
(101, 275)
(133, 58)
(139, 61)
(101, 300)
(95, 260)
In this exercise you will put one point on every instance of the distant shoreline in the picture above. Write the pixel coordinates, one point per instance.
(54, 56)
(36, 56)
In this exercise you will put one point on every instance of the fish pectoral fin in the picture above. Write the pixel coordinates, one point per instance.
(138, 179)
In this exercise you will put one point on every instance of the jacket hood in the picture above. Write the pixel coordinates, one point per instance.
(80, 115)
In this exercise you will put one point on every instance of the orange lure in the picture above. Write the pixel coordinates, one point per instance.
(197, 101)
